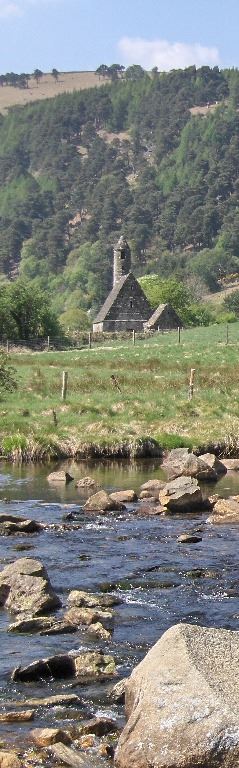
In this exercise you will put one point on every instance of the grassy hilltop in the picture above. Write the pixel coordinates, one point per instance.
(47, 88)
(153, 402)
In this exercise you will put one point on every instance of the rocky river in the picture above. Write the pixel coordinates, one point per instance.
(156, 578)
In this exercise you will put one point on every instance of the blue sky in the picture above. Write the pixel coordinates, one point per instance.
(81, 34)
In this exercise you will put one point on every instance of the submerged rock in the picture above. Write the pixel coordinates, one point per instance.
(182, 495)
(26, 588)
(102, 502)
(70, 757)
(59, 700)
(182, 702)
(100, 726)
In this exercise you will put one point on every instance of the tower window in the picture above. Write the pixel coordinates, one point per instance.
(122, 255)
(131, 303)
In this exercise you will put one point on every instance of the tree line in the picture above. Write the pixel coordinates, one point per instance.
(22, 80)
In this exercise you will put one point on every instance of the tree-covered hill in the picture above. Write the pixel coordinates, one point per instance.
(77, 170)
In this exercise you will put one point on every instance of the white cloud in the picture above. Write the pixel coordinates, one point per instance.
(166, 55)
(9, 9)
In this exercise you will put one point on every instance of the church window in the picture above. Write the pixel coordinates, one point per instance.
(131, 303)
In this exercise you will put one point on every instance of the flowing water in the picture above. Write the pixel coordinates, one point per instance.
(160, 581)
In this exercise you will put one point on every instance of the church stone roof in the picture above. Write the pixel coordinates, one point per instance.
(112, 296)
(155, 317)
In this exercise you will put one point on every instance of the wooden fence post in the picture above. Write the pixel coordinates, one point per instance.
(134, 338)
(64, 385)
(7, 347)
(191, 384)
(90, 340)
(179, 335)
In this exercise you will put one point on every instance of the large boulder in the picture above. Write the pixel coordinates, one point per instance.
(196, 466)
(181, 495)
(26, 588)
(182, 703)
(225, 511)
(102, 502)
(174, 461)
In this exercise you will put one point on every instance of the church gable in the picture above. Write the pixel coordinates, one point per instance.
(126, 307)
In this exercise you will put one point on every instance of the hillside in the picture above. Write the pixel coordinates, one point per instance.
(155, 156)
(47, 88)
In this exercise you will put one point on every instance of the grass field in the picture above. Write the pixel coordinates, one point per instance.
(153, 378)
(47, 88)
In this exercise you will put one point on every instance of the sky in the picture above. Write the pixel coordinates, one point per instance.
(82, 34)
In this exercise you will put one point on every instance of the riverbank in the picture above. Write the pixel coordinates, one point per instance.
(125, 401)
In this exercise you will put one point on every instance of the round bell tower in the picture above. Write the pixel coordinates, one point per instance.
(122, 259)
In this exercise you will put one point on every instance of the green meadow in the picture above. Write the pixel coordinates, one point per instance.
(150, 398)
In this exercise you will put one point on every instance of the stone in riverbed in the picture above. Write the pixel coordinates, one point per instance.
(78, 616)
(100, 726)
(71, 757)
(26, 588)
(92, 600)
(151, 488)
(16, 524)
(102, 502)
(189, 538)
(182, 495)
(90, 664)
(87, 482)
(117, 693)
(125, 497)
(231, 464)
(60, 477)
(59, 700)
(182, 702)
(9, 759)
(17, 717)
(225, 511)
(98, 630)
(44, 737)
(215, 463)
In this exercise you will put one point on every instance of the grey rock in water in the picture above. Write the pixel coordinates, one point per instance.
(87, 482)
(117, 693)
(100, 726)
(102, 502)
(182, 703)
(26, 588)
(124, 497)
(215, 463)
(9, 759)
(17, 717)
(189, 538)
(91, 599)
(70, 757)
(88, 616)
(89, 664)
(225, 511)
(231, 464)
(44, 737)
(60, 477)
(182, 495)
(10, 524)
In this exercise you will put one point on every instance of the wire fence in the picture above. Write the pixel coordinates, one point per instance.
(222, 333)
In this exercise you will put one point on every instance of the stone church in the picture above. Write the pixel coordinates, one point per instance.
(126, 307)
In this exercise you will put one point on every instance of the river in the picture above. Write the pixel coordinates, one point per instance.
(160, 581)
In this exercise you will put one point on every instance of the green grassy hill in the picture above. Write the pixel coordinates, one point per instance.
(152, 401)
